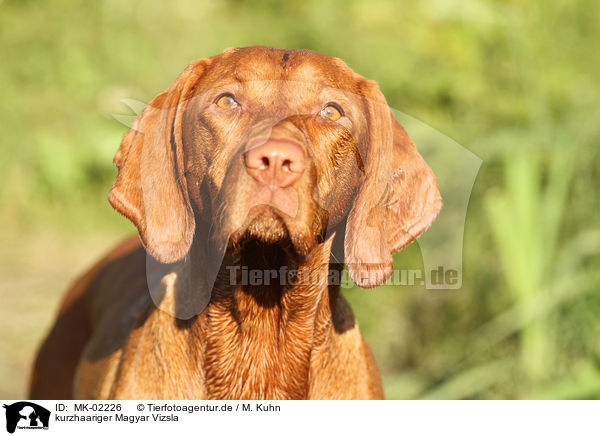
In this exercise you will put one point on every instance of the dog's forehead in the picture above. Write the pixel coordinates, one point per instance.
(294, 67)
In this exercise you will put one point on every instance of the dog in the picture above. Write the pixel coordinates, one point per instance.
(251, 181)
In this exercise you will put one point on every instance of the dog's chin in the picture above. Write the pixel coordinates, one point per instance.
(267, 226)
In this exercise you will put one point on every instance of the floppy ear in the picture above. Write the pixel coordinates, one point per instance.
(150, 188)
(398, 199)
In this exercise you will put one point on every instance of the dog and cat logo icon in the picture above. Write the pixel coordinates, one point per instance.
(26, 415)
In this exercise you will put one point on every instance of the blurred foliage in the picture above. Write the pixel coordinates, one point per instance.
(514, 81)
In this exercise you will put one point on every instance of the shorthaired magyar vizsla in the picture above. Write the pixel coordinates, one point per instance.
(255, 160)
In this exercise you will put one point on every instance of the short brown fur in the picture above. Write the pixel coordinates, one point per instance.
(365, 193)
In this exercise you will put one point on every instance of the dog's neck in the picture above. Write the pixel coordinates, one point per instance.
(252, 341)
(256, 335)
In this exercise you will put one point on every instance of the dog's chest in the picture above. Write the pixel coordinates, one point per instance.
(259, 357)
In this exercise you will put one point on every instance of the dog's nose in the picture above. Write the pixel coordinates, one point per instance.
(277, 163)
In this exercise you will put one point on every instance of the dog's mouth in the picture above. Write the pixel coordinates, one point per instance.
(268, 226)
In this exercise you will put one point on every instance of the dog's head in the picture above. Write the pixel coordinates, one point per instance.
(275, 147)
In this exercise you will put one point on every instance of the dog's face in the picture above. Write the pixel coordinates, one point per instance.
(271, 146)
(274, 146)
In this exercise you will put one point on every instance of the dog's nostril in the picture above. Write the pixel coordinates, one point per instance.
(287, 165)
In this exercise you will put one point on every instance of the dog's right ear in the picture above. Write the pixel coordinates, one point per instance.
(150, 188)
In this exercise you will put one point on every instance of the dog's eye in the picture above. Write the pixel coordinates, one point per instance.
(331, 112)
(227, 101)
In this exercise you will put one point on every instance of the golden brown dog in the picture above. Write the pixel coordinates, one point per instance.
(250, 181)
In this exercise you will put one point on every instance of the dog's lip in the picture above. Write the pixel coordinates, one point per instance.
(289, 238)
(262, 211)
(283, 200)
(270, 212)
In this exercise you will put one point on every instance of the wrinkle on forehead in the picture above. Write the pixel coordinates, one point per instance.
(264, 64)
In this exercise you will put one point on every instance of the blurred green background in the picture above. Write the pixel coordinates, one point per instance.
(514, 81)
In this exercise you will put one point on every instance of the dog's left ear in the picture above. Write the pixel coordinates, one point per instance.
(398, 199)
